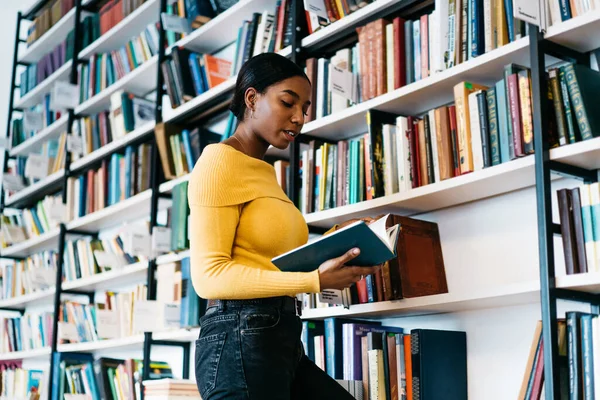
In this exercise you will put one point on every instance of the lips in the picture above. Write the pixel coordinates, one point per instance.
(291, 135)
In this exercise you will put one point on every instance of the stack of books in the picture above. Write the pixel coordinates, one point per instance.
(171, 389)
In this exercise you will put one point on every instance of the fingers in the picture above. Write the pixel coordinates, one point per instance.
(358, 271)
(350, 254)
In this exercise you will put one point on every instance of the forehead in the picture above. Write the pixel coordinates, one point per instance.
(296, 84)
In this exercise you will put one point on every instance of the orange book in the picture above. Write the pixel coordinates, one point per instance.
(408, 367)
(217, 70)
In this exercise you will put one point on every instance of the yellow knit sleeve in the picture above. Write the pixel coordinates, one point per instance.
(216, 275)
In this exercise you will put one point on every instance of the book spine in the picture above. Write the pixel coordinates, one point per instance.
(454, 139)
(515, 112)
(493, 126)
(415, 351)
(526, 110)
(561, 122)
(566, 226)
(588, 226)
(484, 128)
(428, 149)
(578, 229)
(574, 356)
(587, 354)
(567, 105)
(580, 110)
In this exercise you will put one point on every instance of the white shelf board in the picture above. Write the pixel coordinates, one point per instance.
(503, 178)
(140, 82)
(198, 101)
(108, 344)
(179, 335)
(50, 39)
(133, 208)
(423, 95)
(223, 29)
(109, 148)
(589, 282)
(168, 186)
(129, 27)
(32, 189)
(31, 299)
(36, 95)
(46, 241)
(580, 33)
(172, 257)
(34, 143)
(129, 274)
(26, 354)
(479, 298)
(584, 154)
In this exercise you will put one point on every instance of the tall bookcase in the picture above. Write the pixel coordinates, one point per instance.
(497, 277)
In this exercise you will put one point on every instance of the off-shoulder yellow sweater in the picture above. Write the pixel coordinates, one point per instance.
(240, 219)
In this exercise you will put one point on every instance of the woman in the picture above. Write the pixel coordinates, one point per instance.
(249, 345)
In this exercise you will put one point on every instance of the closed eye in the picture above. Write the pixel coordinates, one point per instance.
(288, 105)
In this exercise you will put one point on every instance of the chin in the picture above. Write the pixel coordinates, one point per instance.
(283, 145)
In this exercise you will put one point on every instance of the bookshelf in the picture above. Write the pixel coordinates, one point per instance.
(488, 278)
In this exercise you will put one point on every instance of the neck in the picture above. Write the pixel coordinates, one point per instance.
(252, 144)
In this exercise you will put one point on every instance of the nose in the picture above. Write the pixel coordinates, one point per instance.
(298, 116)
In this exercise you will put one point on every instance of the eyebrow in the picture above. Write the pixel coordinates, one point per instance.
(294, 94)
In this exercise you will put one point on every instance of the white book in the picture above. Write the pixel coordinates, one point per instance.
(434, 146)
(389, 39)
(488, 25)
(596, 355)
(433, 41)
(444, 31)
(476, 145)
(403, 155)
(269, 31)
(304, 189)
(343, 60)
(390, 171)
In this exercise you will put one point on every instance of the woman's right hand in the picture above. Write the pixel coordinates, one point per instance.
(335, 274)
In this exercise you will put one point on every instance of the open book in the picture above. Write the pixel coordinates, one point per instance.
(376, 243)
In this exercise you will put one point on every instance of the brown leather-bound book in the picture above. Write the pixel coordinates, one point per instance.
(420, 261)
(578, 229)
(387, 282)
(566, 228)
(380, 56)
(363, 45)
(162, 132)
(399, 53)
(311, 72)
(444, 143)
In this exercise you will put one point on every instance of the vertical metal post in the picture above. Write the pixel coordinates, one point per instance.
(543, 187)
(11, 102)
(186, 360)
(57, 294)
(73, 80)
(154, 181)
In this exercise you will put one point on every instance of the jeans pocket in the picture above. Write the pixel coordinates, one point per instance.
(258, 321)
(208, 354)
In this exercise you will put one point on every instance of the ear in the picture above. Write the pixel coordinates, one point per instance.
(250, 98)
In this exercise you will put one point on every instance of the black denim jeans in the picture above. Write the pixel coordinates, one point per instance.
(251, 350)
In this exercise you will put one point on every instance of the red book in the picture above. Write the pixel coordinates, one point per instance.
(515, 111)
(399, 53)
(361, 287)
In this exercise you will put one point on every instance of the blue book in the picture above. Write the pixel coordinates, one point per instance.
(377, 245)
(502, 113)
(128, 172)
(587, 353)
(187, 146)
(196, 74)
(417, 49)
(510, 20)
(311, 329)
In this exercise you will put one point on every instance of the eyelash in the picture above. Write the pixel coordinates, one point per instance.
(288, 105)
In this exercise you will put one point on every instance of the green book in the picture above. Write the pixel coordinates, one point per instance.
(493, 126)
(584, 85)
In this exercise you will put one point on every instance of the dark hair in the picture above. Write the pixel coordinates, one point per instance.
(260, 72)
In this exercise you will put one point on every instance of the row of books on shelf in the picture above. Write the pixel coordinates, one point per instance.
(188, 74)
(28, 332)
(114, 11)
(34, 273)
(417, 271)
(389, 362)
(578, 359)
(579, 213)
(102, 378)
(127, 113)
(35, 73)
(102, 70)
(180, 147)
(559, 11)
(39, 117)
(20, 383)
(30, 222)
(49, 16)
(117, 179)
